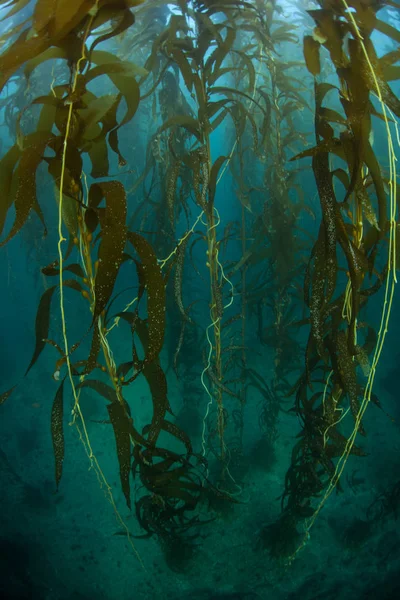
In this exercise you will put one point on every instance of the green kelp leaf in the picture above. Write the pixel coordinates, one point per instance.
(120, 19)
(57, 431)
(155, 288)
(112, 244)
(122, 426)
(42, 324)
(311, 55)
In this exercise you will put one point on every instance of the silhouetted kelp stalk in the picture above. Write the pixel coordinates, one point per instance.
(333, 347)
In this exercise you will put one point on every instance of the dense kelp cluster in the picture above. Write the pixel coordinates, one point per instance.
(209, 92)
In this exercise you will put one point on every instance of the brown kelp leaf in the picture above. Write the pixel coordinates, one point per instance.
(178, 279)
(121, 74)
(58, 16)
(185, 69)
(329, 145)
(49, 54)
(94, 114)
(158, 387)
(332, 115)
(367, 208)
(100, 387)
(311, 55)
(188, 123)
(20, 51)
(7, 166)
(52, 21)
(98, 154)
(94, 349)
(91, 219)
(24, 180)
(42, 325)
(347, 371)
(112, 245)
(338, 445)
(17, 6)
(343, 177)
(155, 288)
(317, 297)
(388, 30)
(172, 182)
(57, 431)
(120, 16)
(121, 423)
(52, 270)
(212, 185)
(5, 395)
(388, 96)
(331, 32)
(179, 434)
(375, 171)
(223, 90)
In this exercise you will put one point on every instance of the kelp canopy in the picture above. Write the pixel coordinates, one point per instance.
(124, 121)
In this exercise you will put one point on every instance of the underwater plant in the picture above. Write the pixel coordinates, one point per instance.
(140, 116)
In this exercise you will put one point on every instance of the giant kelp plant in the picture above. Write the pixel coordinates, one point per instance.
(208, 91)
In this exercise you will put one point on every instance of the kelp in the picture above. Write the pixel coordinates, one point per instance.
(207, 69)
(353, 227)
(57, 431)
